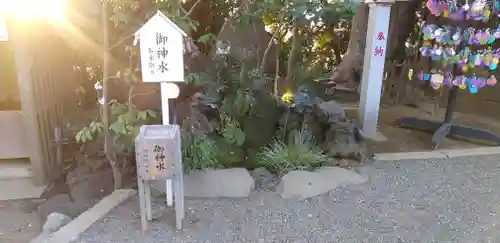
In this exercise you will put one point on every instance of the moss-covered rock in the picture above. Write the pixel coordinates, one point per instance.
(229, 155)
(261, 126)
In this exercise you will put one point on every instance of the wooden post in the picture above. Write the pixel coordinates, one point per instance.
(373, 64)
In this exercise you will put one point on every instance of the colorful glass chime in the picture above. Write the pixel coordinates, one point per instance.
(480, 10)
(440, 43)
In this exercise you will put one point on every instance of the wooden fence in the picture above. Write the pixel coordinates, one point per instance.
(43, 70)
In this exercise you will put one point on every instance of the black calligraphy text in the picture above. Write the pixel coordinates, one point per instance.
(161, 52)
(159, 157)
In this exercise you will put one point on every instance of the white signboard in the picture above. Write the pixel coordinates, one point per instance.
(162, 50)
(162, 61)
(4, 34)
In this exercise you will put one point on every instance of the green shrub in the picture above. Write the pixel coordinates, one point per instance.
(300, 153)
(230, 155)
(199, 152)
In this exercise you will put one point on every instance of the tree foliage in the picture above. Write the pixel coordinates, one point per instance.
(311, 38)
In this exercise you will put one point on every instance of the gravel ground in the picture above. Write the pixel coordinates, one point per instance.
(454, 200)
(19, 222)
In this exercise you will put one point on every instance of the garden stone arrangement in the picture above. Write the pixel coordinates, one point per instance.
(298, 184)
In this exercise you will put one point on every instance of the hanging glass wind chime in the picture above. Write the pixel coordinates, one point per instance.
(464, 56)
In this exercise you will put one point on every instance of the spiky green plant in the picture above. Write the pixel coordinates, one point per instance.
(299, 153)
(199, 152)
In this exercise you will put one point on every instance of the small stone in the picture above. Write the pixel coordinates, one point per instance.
(305, 184)
(63, 205)
(55, 221)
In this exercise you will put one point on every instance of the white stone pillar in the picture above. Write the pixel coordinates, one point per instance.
(373, 65)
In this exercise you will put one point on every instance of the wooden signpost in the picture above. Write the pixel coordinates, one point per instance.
(159, 157)
(161, 44)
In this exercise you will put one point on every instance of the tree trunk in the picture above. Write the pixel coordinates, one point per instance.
(105, 106)
(294, 53)
(402, 20)
(338, 52)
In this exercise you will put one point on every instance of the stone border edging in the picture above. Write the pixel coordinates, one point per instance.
(438, 154)
(77, 226)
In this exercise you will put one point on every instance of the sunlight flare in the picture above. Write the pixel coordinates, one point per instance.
(29, 9)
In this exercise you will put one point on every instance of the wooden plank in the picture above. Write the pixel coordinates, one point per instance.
(24, 63)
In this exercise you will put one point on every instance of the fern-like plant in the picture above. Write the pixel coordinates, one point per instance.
(299, 153)
(199, 152)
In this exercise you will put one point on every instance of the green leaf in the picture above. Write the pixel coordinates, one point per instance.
(207, 38)
(96, 127)
(233, 134)
(142, 115)
(116, 107)
(192, 78)
(135, 131)
(84, 135)
(128, 117)
(87, 135)
(80, 138)
(151, 113)
(129, 76)
(239, 137)
(118, 127)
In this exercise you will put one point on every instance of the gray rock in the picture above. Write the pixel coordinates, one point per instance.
(54, 222)
(210, 183)
(333, 110)
(305, 184)
(63, 205)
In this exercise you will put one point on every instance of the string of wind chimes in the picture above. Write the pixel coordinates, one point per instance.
(458, 39)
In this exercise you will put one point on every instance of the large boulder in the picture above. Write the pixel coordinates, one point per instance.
(211, 183)
(55, 221)
(333, 110)
(305, 184)
(345, 140)
(61, 204)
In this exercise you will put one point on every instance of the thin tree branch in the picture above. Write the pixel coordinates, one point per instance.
(121, 41)
(192, 8)
(270, 44)
(128, 36)
(142, 93)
